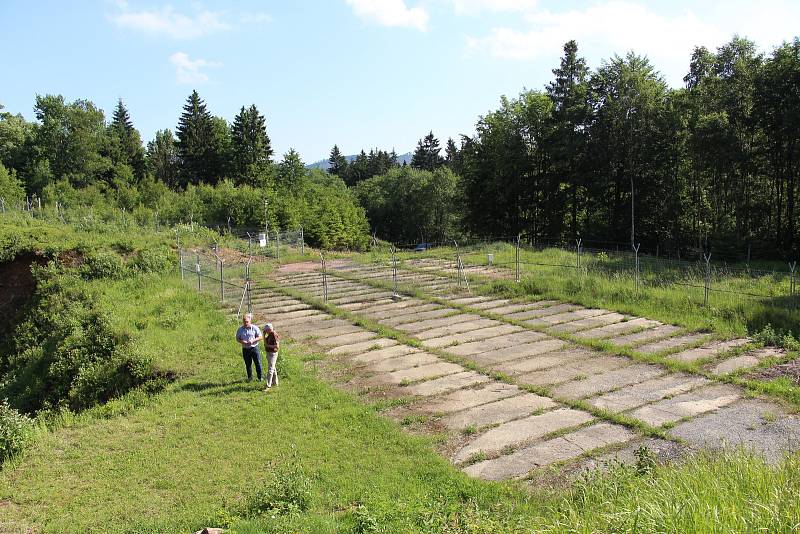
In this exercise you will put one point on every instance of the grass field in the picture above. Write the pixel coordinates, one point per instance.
(212, 450)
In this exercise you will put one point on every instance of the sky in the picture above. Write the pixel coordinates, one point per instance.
(356, 73)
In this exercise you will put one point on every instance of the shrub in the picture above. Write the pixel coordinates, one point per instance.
(287, 493)
(154, 260)
(16, 431)
(103, 264)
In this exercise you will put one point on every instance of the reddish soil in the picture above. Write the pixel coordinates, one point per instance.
(790, 370)
(16, 287)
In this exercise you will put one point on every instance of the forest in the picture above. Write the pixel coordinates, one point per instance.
(612, 154)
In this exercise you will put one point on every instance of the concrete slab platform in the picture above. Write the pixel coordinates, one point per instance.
(489, 304)
(281, 324)
(468, 301)
(472, 335)
(512, 308)
(455, 328)
(322, 333)
(589, 322)
(690, 404)
(433, 370)
(572, 371)
(285, 316)
(397, 309)
(518, 352)
(602, 332)
(446, 383)
(709, 350)
(406, 361)
(429, 324)
(520, 463)
(346, 339)
(664, 330)
(499, 411)
(363, 346)
(382, 354)
(648, 391)
(495, 343)
(595, 384)
(521, 432)
(464, 399)
(360, 306)
(753, 424)
(671, 343)
(567, 317)
(746, 360)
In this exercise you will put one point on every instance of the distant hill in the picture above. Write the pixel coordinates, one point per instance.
(323, 163)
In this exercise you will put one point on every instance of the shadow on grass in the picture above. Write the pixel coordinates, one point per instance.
(218, 389)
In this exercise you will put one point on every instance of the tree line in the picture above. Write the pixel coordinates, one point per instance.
(616, 155)
(208, 171)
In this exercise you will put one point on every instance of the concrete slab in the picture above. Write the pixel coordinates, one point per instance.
(648, 391)
(455, 328)
(602, 332)
(517, 352)
(664, 330)
(759, 426)
(382, 354)
(429, 324)
(572, 371)
(433, 370)
(489, 304)
(363, 346)
(499, 411)
(285, 316)
(360, 306)
(520, 463)
(391, 305)
(346, 339)
(671, 343)
(364, 297)
(413, 315)
(566, 317)
(690, 404)
(632, 374)
(485, 345)
(541, 312)
(538, 362)
(406, 361)
(472, 335)
(468, 301)
(322, 333)
(709, 350)
(589, 322)
(303, 324)
(399, 309)
(281, 325)
(446, 383)
(521, 432)
(464, 399)
(746, 360)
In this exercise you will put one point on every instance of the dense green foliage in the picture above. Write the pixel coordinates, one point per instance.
(616, 155)
(213, 173)
(16, 431)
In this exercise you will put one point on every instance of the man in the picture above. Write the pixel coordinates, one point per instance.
(248, 335)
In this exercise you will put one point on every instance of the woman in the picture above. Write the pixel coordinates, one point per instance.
(271, 346)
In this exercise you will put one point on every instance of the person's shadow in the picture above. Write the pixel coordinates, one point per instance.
(218, 389)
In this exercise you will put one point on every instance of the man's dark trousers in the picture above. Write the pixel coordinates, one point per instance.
(251, 355)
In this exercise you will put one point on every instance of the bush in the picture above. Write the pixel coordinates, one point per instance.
(103, 264)
(154, 260)
(16, 431)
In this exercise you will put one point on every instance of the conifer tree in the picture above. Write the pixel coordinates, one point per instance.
(251, 147)
(196, 143)
(426, 156)
(337, 163)
(126, 143)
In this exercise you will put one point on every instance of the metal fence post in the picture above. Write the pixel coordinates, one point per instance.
(221, 282)
(324, 279)
(248, 288)
(516, 258)
(199, 276)
(792, 280)
(707, 287)
(394, 270)
(180, 255)
(277, 245)
(302, 242)
(578, 253)
(636, 263)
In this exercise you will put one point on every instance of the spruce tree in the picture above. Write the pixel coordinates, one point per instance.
(196, 143)
(251, 147)
(126, 143)
(426, 156)
(162, 158)
(337, 163)
(452, 156)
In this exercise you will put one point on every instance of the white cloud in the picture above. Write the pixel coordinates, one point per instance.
(390, 13)
(167, 21)
(617, 26)
(189, 71)
(256, 18)
(474, 7)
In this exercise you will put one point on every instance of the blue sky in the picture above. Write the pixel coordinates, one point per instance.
(358, 73)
